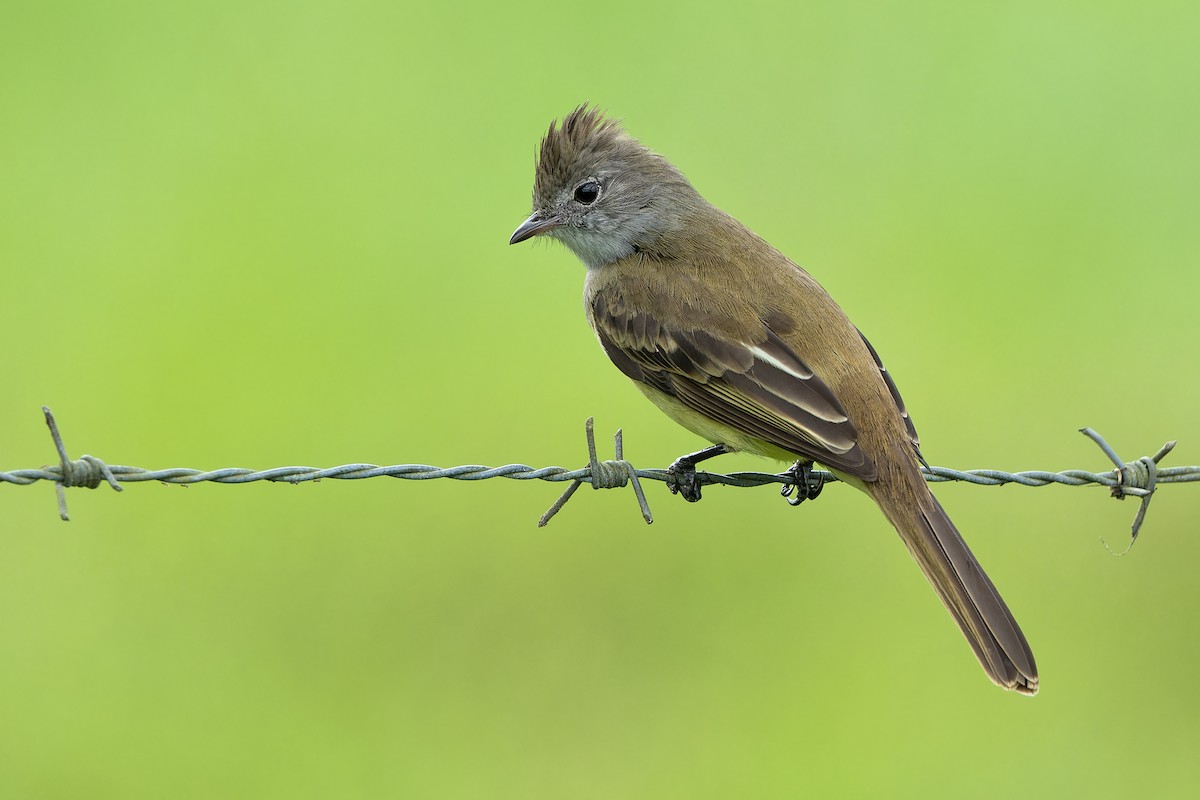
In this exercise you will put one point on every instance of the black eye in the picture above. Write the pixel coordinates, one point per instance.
(587, 192)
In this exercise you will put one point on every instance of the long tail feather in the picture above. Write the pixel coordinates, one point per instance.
(964, 587)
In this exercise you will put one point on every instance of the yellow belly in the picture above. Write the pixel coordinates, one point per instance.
(719, 433)
(714, 431)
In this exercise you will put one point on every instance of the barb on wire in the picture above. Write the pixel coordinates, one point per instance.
(1138, 478)
(87, 471)
(603, 475)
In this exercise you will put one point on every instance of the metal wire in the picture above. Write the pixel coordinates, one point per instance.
(1139, 478)
(522, 472)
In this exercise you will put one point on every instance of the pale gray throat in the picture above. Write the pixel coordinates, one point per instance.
(598, 248)
(595, 249)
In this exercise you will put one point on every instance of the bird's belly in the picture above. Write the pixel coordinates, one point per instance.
(716, 432)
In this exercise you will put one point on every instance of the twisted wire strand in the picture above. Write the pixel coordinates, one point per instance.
(1138, 478)
(523, 472)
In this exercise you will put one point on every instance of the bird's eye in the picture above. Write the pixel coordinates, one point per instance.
(587, 192)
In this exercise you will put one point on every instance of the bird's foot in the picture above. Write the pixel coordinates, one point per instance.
(681, 479)
(681, 475)
(806, 484)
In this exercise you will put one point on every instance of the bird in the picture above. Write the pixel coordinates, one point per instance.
(738, 344)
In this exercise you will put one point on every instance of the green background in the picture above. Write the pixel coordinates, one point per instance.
(259, 234)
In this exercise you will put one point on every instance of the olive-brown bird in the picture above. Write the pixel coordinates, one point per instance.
(741, 346)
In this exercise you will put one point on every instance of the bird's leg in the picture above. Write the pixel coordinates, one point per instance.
(681, 475)
(805, 485)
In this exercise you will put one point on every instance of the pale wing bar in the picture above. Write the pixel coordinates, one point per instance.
(761, 388)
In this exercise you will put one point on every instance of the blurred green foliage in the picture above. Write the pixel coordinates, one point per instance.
(255, 234)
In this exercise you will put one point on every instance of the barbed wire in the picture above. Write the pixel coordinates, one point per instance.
(1139, 478)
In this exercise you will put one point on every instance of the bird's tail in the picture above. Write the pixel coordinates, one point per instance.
(962, 584)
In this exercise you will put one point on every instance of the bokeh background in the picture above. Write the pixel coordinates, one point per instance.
(259, 234)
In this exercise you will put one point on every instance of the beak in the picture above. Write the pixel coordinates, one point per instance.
(537, 223)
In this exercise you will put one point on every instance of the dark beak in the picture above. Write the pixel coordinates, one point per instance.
(537, 223)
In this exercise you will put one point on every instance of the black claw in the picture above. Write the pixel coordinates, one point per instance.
(681, 479)
(681, 476)
(806, 484)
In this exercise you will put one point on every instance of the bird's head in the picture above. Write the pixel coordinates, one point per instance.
(601, 192)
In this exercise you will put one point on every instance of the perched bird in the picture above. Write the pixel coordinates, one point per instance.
(741, 346)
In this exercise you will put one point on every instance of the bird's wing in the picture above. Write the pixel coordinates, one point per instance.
(891, 384)
(760, 388)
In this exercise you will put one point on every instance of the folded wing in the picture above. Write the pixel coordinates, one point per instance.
(759, 387)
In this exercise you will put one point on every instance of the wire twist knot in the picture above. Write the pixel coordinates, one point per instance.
(88, 472)
(612, 474)
(1137, 478)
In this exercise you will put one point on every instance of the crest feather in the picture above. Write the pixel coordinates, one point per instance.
(583, 138)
